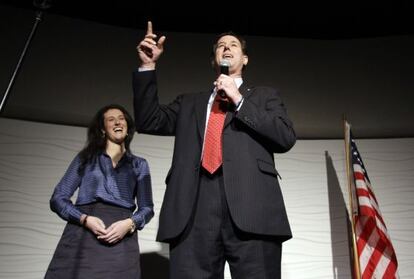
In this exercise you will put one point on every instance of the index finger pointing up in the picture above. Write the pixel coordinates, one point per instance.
(149, 28)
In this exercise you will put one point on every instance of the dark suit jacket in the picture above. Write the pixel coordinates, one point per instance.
(250, 137)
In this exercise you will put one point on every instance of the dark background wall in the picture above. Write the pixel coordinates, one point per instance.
(75, 66)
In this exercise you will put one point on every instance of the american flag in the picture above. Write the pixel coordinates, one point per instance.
(376, 254)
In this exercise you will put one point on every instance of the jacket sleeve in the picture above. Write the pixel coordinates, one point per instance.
(150, 116)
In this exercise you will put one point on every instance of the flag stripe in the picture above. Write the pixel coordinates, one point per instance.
(376, 254)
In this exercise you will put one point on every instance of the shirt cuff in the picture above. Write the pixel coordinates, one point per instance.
(239, 104)
(139, 221)
(143, 69)
(75, 216)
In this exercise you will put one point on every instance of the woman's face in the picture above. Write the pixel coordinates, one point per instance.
(116, 126)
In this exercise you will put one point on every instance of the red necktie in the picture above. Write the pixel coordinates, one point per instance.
(212, 153)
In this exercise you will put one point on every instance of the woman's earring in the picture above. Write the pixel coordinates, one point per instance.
(103, 134)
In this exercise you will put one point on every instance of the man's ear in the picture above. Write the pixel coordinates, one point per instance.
(213, 63)
(245, 60)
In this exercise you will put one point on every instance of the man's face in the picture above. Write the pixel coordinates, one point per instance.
(229, 48)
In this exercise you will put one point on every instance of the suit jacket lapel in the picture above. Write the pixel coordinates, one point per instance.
(201, 112)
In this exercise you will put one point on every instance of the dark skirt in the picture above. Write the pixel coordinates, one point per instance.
(80, 255)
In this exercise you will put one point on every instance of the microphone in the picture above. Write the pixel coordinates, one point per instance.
(224, 69)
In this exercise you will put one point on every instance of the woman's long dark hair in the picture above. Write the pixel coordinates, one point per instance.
(96, 142)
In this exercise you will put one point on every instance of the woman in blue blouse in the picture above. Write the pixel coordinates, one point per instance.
(100, 238)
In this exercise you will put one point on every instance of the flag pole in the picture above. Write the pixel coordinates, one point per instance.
(351, 189)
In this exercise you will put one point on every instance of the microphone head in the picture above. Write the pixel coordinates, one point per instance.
(225, 63)
(224, 66)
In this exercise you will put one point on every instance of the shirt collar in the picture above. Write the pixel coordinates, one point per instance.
(238, 81)
(126, 157)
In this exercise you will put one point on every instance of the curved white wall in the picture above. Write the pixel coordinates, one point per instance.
(34, 156)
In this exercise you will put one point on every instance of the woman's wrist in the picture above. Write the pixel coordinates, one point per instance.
(132, 227)
(83, 219)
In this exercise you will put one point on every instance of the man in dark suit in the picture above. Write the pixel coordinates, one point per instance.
(223, 201)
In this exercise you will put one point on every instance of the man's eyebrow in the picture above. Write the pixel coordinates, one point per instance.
(233, 41)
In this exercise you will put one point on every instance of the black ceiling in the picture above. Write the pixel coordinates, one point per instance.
(339, 20)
